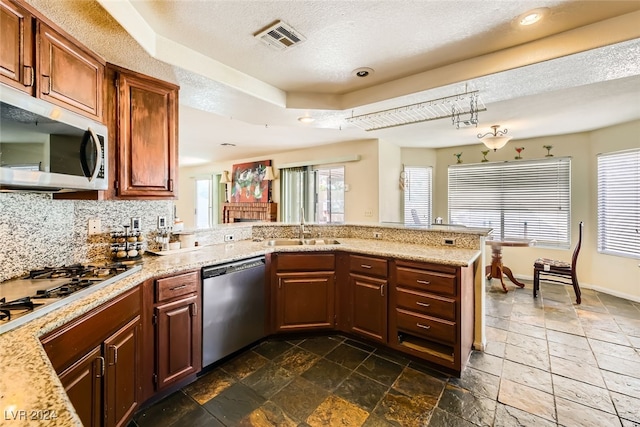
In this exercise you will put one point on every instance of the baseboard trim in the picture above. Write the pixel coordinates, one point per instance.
(634, 298)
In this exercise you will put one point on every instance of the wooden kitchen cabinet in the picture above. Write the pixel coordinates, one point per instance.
(304, 292)
(69, 75)
(97, 358)
(145, 125)
(432, 312)
(174, 337)
(17, 54)
(368, 292)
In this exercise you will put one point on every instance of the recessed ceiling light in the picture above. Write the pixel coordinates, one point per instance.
(532, 16)
(306, 119)
(363, 72)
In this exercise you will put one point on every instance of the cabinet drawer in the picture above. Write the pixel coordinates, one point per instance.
(431, 305)
(171, 287)
(426, 280)
(306, 262)
(368, 266)
(426, 327)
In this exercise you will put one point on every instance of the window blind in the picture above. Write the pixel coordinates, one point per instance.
(523, 199)
(417, 195)
(619, 203)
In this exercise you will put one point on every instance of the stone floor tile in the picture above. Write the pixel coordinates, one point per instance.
(537, 358)
(337, 412)
(603, 321)
(628, 407)
(527, 375)
(392, 356)
(268, 380)
(296, 360)
(423, 388)
(496, 334)
(622, 383)
(359, 344)
(326, 374)
(616, 350)
(629, 326)
(486, 362)
(495, 348)
(629, 423)
(362, 391)
(176, 409)
(525, 341)
(583, 393)
(245, 364)
(321, 345)
(267, 415)
(497, 322)
(528, 329)
(209, 386)
(399, 409)
(376, 421)
(527, 399)
(441, 418)
(478, 382)
(508, 416)
(616, 364)
(572, 354)
(607, 336)
(577, 370)
(572, 414)
(570, 327)
(347, 356)
(467, 405)
(234, 403)
(577, 341)
(272, 348)
(379, 369)
(299, 398)
(635, 341)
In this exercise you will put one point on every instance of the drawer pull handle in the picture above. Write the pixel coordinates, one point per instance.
(101, 373)
(381, 290)
(420, 325)
(365, 266)
(423, 304)
(178, 287)
(423, 282)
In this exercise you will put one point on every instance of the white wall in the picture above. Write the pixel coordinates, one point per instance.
(616, 275)
(390, 166)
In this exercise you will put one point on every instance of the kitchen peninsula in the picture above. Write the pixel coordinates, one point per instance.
(30, 388)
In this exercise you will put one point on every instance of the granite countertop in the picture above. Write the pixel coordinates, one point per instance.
(30, 391)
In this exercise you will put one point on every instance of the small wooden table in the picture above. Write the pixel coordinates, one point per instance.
(497, 268)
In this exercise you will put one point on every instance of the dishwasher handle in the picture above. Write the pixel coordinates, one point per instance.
(232, 267)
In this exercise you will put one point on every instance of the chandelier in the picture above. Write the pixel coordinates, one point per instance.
(496, 139)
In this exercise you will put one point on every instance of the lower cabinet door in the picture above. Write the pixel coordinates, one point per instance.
(369, 316)
(305, 301)
(121, 353)
(83, 383)
(178, 340)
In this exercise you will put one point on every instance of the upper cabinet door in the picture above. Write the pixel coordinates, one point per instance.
(147, 137)
(16, 47)
(68, 75)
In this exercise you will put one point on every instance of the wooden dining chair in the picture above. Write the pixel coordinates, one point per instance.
(559, 271)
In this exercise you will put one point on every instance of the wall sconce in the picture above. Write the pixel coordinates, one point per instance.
(269, 176)
(496, 139)
(225, 179)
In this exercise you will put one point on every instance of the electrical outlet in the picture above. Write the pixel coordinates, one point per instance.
(368, 212)
(228, 237)
(449, 242)
(95, 226)
(377, 235)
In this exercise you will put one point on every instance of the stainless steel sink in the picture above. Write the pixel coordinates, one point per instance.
(299, 242)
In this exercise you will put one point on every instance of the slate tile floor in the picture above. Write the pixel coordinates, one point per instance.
(548, 362)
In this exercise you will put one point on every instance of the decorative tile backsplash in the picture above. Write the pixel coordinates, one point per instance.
(38, 231)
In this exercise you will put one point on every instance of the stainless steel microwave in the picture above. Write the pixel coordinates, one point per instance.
(46, 148)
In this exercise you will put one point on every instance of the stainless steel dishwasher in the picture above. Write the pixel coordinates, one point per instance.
(233, 307)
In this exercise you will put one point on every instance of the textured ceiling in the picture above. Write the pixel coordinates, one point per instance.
(576, 70)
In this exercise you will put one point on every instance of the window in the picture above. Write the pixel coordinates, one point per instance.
(619, 203)
(524, 199)
(417, 195)
(319, 191)
(203, 202)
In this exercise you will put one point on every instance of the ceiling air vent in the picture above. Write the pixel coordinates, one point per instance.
(280, 36)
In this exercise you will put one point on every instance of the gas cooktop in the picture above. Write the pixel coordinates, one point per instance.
(44, 290)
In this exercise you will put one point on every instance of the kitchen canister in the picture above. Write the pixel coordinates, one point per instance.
(187, 240)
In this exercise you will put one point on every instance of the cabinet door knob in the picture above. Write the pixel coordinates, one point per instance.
(420, 325)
